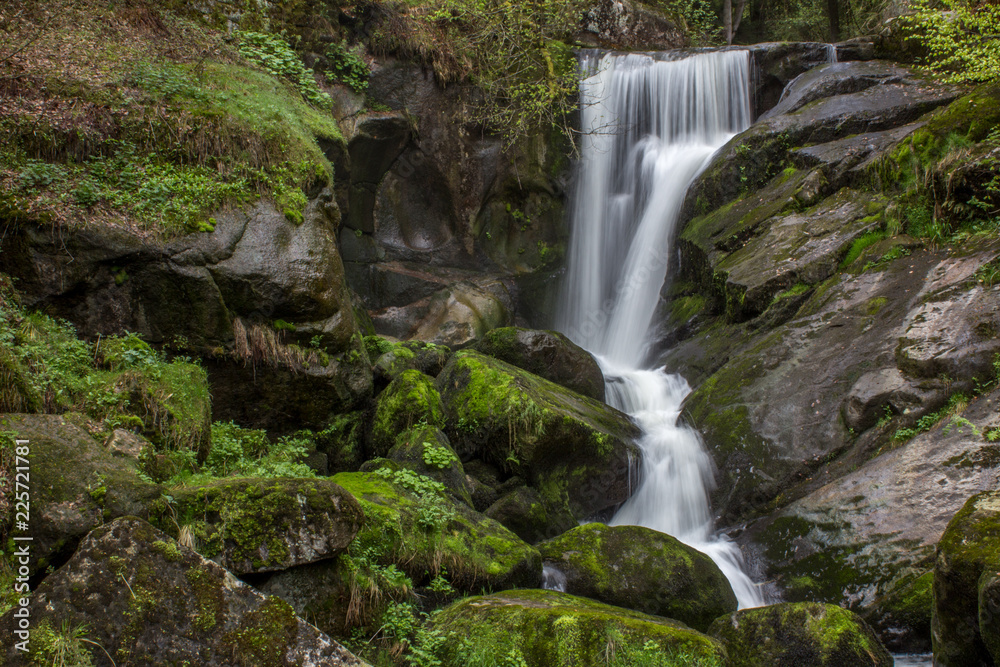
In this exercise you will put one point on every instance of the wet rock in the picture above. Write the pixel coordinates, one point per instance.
(967, 559)
(529, 515)
(548, 354)
(881, 394)
(793, 634)
(640, 569)
(629, 25)
(537, 628)
(76, 484)
(126, 445)
(427, 358)
(574, 450)
(902, 617)
(263, 525)
(174, 607)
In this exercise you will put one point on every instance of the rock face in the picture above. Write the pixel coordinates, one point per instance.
(629, 25)
(574, 450)
(965, 610)
(176, 608)
(794, 634)
(263, 525)
(548, 354)
(436, 209)
(540, 628)
(76, 485)
(863, 535)
(216, 294)
(641, 569)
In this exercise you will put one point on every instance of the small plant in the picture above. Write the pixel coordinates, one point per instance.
(64, 647)
(275, 56)
(348, 67)
(438, 457)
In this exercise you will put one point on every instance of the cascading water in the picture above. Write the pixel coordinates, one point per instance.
(650, 127)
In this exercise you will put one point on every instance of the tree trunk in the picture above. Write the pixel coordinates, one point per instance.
(727, 19)
(833, 13)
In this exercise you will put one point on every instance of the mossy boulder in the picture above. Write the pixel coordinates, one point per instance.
(528, 514)
(792, 634)
(548, 354)
(413, 523)
(262, 525)
(641, 569)
(343, 441)
(989, 612)
(541, 628)
(574, 450)
(409, 355)
(426, 450)
(146, 600)
(410, 399)
(76, 485)
(969, 547)
(902, 617)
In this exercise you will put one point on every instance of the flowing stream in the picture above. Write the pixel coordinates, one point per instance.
(651, 126)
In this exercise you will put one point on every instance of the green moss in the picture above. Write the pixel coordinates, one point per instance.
(537, 627)
(263, 635)
(410, 399)
(209, 597)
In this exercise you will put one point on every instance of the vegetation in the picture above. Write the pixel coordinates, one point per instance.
(960, 38)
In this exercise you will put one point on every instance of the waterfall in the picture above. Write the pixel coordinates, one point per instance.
(650, 127)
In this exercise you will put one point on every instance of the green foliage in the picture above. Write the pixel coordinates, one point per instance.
(960, 38)
(348, 67)
(435, 510)
(274, 55)
(861, 244)
(956, 404)
(244, 452)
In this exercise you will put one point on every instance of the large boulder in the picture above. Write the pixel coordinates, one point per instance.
(548, 354)
(967, 556)
(412, 523)
(794, 634)
(573, 449)
(425, 449)
(262, 525)
(540, 628)
(640, 569)
(76, 485)
(865, 539)
(135, 594)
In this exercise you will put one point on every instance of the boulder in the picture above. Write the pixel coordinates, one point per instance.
(456, 316)
(175, 607)
(411, 399)
(548, 354)
(426, 450)
(792, 634)
(412, 523)
(410, 355)
(968, 556)
(539, 628)
(902, 617)
(528, 514)
(262, 525)
(641, 569)
(573, 449)
(76, 485)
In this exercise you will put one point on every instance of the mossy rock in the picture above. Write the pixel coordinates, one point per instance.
(417, 355)
(76, 485)
(574, 450)
(548, 354)
(989, 612)
(412, 522)
(793, 634)
(527, 513)
(969, 547)
(641, 569)
(343, 442)
(410, 399)
(182, 390)
(262, 525)
(426, 450)
(540, 628)
(146, 600)
(902, 617)
(16, 393)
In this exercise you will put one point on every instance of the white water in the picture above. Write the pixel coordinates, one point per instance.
(651, 127)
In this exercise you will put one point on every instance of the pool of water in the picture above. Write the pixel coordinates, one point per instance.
(913, 660)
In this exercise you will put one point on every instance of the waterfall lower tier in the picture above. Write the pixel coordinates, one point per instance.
(651, 126)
